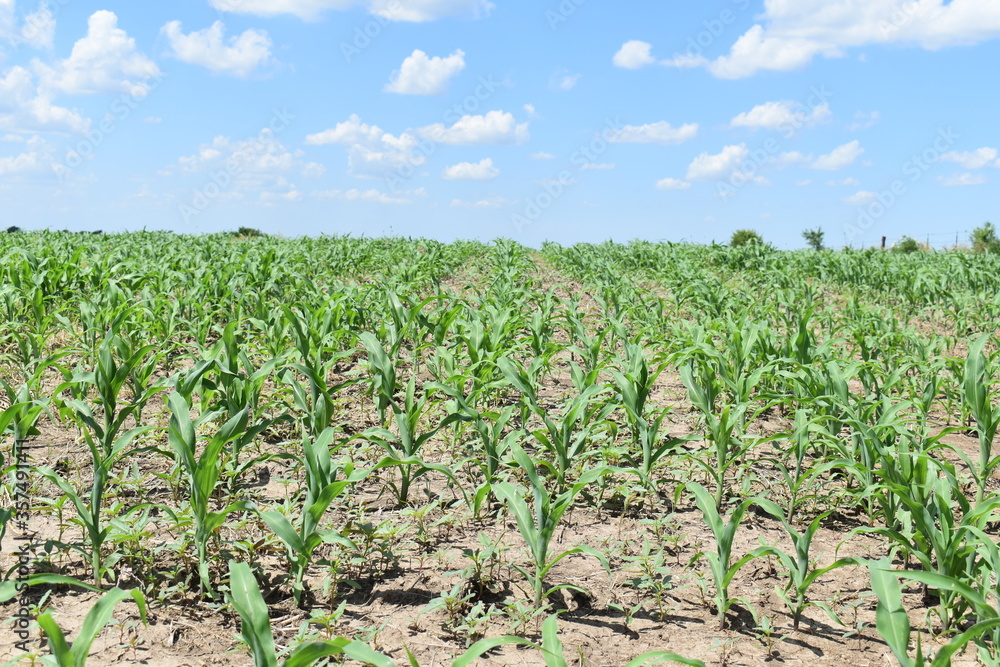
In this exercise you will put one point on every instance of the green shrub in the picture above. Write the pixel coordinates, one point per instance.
(984, 239)
(248, 232)
(907, 245)
(814, 237)
(742, 237)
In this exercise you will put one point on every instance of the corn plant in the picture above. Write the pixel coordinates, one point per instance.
(720, 561)
(255, 626)
(403, 447)
(553, 653)
(801, 572)
(322, 488)
(75, 654)
(203, 472)
(977, 379)
(537, 524)
(893, 623)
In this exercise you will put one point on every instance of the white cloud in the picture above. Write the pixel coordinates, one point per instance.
(371, 196)
(24, 108)
(672, 184)
(240, 55)
(793, 32)
(803, 184)
(416, 11)
(106, 60)
(489, 202)
(480, 171)
(372, 153)
(655, 133)
(530, 110)
(270, 198)
(977, 159)
(542, 155)
(37, 29)
(852, 182)
(496, 127)
(598, 166)
(634, 54)
(37, 158)
(420, 75)
(707, 167)
(863, 121)
(152, 119)
(840, 157)
(962, 179)
(782, 114)
(861, 198)
(563, 79)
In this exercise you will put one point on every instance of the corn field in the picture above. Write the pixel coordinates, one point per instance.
(236, 451)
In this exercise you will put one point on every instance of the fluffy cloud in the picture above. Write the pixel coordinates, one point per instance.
(37, 158)
(372, 153)
(24, 108)
(480, 171)
(563, 79)
(839, 157)
(708, 167)
(598, 166)
(863, 121)
(496, 127)
(489, 202)
(542, 155)
(240, 55)
(106, 60)
(672, 184)
(852, 182)
(793, 32)
(861, 198)
(655, 133)
(371, 196)
(420, 75)
(962, 179)
(37, 29)
(634, 54)
(416, 11)
(782, 114)
(977, 159)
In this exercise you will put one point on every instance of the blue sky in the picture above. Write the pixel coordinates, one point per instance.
(565, 121)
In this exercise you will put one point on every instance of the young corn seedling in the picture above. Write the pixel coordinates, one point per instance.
(893, 623)
(105, 435)
(537, 524)
(801, 575)
(75, 655)
(322, 488)
(553, 653)
(634, 387)
(255, 626)
(403, 448)
(977, 380)
(203, 474)
(720, 561)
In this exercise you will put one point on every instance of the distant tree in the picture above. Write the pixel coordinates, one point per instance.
(984, 239)
(907, 245)
(742, 237)
(13, 230)
(248, 232)
(814, 237)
